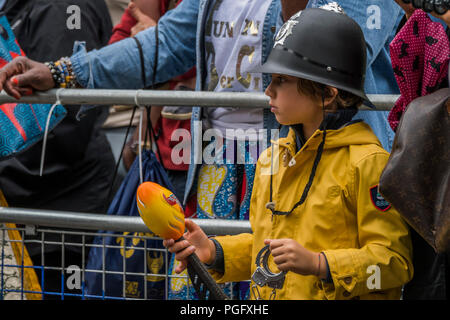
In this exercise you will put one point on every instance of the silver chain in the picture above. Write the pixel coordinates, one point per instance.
(273, 295)
(255, 292)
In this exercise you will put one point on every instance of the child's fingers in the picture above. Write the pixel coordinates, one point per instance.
(275, 243)
(191, 226)
(168, 242)
(184, 254)
(178, 246)
(280, 259)
(278, 252)
(181, 267)
(285, 266)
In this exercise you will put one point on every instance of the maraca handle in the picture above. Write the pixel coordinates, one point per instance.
(199, 275)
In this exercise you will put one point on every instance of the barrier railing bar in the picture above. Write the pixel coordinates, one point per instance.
(91, 221)
(168, 98)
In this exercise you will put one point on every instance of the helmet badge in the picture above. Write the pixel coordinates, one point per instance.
(333, 6)
(286, 29)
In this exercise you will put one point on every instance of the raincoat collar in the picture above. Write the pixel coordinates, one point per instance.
(354, 133)
(334, 122)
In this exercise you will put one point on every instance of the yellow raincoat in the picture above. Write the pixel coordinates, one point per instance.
(368, 250)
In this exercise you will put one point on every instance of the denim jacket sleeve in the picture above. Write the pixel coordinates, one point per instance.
(117, 66)
(377, 19)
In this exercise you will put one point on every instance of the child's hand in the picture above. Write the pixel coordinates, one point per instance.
(289, 255)
(195, 240)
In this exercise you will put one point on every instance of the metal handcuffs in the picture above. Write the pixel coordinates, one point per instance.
(263, 275)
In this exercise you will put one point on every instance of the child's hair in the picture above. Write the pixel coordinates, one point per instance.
(315, 90)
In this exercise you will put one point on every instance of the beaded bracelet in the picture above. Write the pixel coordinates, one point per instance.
(62, 73)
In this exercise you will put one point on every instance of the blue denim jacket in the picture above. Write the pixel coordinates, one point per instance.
(379, 20)
(181, 46)
(184, 26)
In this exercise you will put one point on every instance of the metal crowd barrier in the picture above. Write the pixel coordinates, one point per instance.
(168, 98)
(90, 221)
(35, 229)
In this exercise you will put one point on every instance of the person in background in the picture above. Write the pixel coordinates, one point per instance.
(134, 15)
(431, 279)
(140, 15)
(409, 9)
(116, 9)
(79, 163)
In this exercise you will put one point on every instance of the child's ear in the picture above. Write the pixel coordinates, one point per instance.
(330, 96)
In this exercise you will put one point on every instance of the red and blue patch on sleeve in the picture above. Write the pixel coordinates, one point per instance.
(378, 200)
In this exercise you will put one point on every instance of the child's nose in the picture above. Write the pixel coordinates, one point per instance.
(269, 92)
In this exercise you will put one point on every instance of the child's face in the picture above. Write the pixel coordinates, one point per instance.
(289, 105)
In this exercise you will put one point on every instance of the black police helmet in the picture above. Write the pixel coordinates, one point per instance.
(322, 46)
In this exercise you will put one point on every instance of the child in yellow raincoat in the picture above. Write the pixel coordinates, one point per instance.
(315, 202)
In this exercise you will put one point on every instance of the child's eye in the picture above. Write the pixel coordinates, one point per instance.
(280, 79)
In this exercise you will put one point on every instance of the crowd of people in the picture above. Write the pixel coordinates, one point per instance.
(312, 196)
